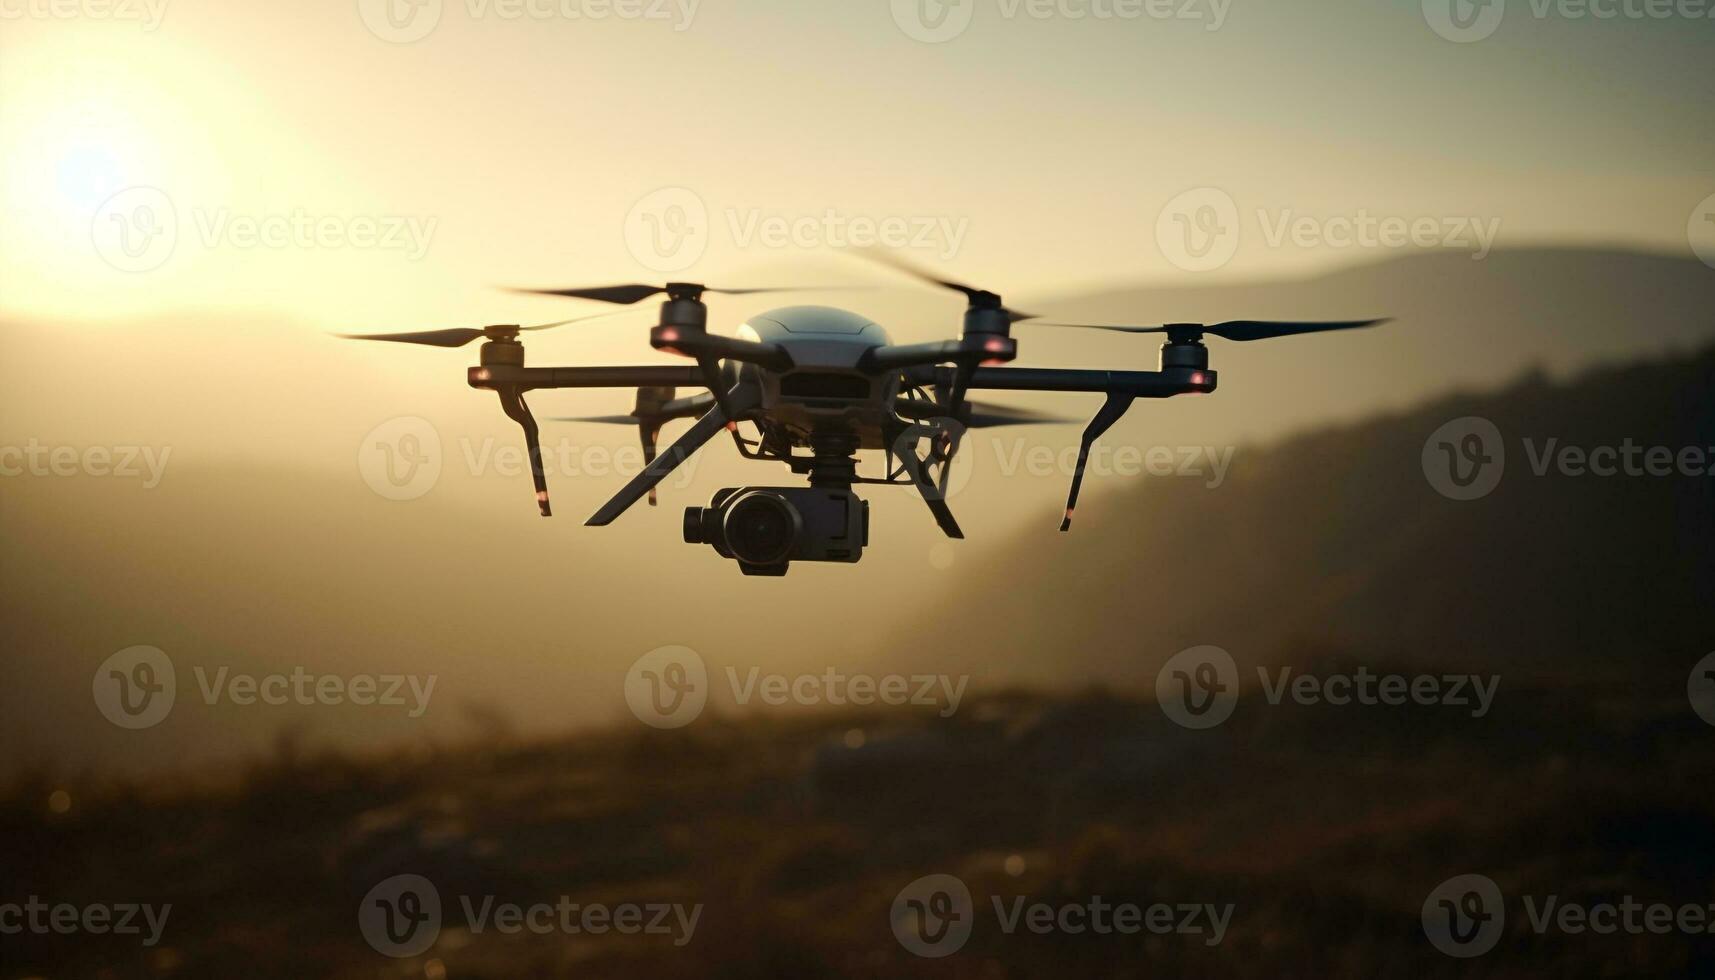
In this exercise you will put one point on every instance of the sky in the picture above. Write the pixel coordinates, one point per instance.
(385, 164)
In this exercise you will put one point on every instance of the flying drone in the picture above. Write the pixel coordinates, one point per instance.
(818, 384)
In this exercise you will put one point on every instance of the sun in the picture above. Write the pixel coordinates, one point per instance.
(84, 116)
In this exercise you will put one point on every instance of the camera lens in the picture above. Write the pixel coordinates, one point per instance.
(762, 528)
(694, 524)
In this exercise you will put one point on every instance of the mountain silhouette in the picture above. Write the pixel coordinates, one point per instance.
(1338, 537)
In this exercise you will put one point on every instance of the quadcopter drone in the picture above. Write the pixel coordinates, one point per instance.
(827, 382)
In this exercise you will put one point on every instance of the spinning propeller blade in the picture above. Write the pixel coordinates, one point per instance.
(625, 295)
(1232, 329)
(978, 298)
(460, 336)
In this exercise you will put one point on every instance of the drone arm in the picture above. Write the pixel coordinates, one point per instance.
(1121, 388)
(1137, 384)
(714, 347)
(896, 356)
(742, 397)
(640, 376)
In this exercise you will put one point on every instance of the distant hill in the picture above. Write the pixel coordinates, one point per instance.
(1459, 324)
(1337, 537)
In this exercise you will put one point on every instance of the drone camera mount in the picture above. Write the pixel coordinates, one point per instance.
(765, 529)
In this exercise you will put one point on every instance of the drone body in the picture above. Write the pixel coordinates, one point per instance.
(819, 384)
(826, 388)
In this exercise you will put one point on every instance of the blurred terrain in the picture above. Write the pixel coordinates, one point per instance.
(1325, 828)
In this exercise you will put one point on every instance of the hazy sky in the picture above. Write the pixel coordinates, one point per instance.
(196, 191)
(315, 171)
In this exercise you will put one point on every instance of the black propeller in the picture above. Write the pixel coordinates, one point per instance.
(652, 410)
(600, 419)
(980, 299)
(1232, 329)
(460, 336)
(980, 415)
(637, 292)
